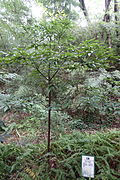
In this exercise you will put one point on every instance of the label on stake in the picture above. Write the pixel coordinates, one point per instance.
(88, 167)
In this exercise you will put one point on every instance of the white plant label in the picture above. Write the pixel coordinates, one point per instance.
(88, 166)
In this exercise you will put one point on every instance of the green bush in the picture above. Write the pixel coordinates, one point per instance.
(96, 99)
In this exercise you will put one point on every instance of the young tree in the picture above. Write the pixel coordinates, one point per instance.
(51, 51)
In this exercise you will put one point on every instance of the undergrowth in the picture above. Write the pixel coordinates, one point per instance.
(30, 162)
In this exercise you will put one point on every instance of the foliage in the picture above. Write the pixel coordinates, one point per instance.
(15, 16)
(36, 124)
(90, 102)
(64, 160)
(104, 32)
(96, 99)
(63, 6)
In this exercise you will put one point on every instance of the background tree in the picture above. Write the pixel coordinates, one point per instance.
(85, 12)
(107, 15)
(15, 16)
(116, 10)
(67, 7)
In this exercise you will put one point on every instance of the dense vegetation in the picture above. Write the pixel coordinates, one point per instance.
(65, 158)
(59, 91)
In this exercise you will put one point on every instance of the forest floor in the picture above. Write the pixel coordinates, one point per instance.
(25, 133)
(31, 141)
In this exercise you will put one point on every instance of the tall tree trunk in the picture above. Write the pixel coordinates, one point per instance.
(107, 19)
(107, 15)
(116, 9)
(83, 7)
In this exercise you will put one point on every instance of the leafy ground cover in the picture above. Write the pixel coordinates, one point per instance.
(22, 127)
(30, 161)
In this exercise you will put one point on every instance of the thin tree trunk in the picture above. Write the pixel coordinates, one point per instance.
(49, 121)
(49, 109)
(83, 7)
